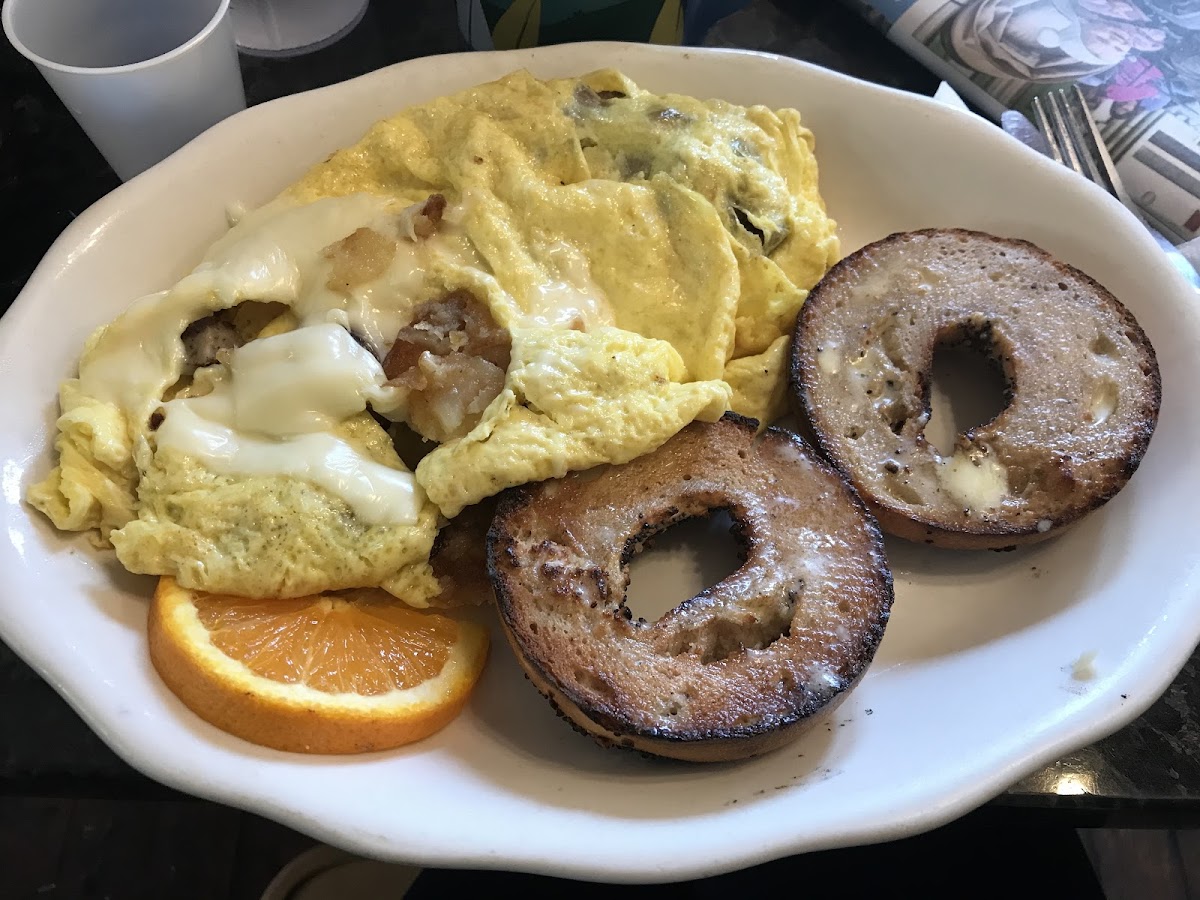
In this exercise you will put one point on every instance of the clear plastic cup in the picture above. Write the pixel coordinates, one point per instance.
(142, 77)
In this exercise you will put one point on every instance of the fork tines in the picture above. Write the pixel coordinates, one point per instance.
(1063, 117)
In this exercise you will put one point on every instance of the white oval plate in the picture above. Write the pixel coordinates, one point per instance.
(971, 688)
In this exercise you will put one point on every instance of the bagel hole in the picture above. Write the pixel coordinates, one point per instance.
(968, 388)
(719, 636)
(679, 562)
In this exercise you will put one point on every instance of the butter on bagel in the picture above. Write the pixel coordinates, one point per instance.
(743, 666)
(1083, 381)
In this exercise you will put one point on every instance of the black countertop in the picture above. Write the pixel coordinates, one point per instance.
(1148, 773)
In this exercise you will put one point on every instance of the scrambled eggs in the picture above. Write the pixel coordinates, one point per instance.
(535, 276)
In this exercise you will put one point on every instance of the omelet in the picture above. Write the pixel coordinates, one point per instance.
(263, 535)
(572, 400)
(754, 167)
(532, 277)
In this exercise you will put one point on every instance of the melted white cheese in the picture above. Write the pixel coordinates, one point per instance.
(301, 381)
(302, 231)
(378, 495)
(375, 309)
(269, 414)
(273, 254)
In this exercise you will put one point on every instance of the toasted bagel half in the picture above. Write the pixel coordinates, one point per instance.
(1083, 380)
(743, 666)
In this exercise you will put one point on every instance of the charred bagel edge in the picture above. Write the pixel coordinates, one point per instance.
(814, 669)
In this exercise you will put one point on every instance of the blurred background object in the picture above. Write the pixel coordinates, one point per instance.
(142, 77)
(292, 27)
(507, 24)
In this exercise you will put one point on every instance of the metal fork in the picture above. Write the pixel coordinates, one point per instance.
(1067, 124)
(1075, 141)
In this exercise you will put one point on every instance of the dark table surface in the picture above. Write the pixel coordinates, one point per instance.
(1147, 773)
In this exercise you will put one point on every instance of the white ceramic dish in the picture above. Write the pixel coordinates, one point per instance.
(972, 686)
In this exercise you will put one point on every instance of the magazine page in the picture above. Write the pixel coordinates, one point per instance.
(1137, 62)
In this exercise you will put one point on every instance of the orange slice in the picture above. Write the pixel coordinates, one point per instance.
(344, 673)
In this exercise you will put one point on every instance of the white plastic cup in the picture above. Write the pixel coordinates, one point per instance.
(142, 77)
(282, 28)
